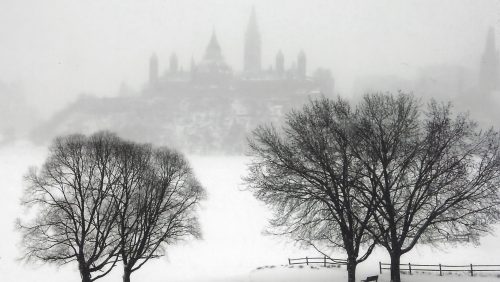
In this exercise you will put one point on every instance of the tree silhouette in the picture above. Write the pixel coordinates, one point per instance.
(160, 196)
(73, 196)
(101, 199)
(435, 175)
(307, 173)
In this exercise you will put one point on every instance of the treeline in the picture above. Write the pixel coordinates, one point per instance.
(389, 171)
(100, 200)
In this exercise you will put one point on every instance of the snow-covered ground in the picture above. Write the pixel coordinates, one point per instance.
(233, 246)
(321, 274)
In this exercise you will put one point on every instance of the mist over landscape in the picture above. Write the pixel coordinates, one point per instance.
(55, 55)
(200, 76)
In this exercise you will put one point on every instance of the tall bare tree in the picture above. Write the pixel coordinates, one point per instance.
(101, 199)
(308, 174)
(435, 175)
(73, 198)
(158, 204)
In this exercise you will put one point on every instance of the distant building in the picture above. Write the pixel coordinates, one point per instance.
(252, 52)
(153, 70)
(207, 106)
(489, 74)
(445, 81)
(273, 86)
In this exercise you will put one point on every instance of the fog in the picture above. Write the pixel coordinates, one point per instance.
(59, 49)
(69, 66)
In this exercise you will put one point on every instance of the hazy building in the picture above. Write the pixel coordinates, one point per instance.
(174, 63)
(280, 64)
(252, 82)
(212, 70)
(301, 65)
(488, 69)
(445, 82)
(207, 106)
(153, 70)
(252, 48)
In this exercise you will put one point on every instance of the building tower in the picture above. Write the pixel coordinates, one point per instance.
(153, 69)
(252, 51)
(212, 69)
(280, 64)
(301, 64)
(213, 52)
(173, 63)
(192, 67)
(488, 71)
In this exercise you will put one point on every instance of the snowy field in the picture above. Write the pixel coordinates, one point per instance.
(233, 247)
(320, 274)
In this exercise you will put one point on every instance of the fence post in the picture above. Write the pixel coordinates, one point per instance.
(409, 267)
(325, 261)
(471, 270)
(440, 271)
(289, 262)
(307, 261)
(380, 266)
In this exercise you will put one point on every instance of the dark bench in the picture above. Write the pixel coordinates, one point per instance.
(371, 278)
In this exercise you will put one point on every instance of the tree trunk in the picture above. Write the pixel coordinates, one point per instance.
(395, 262)
(84, 273)
(126, 274)
(351, 269)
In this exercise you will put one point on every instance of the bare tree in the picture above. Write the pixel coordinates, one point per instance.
(308, 174)
(73, 198)
(158, 204)
(434, 175)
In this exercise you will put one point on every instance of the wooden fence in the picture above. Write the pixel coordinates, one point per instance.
(442, 268)
(409, 267)
(317, 260)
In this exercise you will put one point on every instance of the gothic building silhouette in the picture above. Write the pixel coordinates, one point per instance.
(252, 82)
(205, 107)
(210, 107)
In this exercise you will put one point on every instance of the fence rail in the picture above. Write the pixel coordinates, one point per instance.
(317, 260)
(470, 268)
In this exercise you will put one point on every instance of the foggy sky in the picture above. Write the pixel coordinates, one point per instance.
(57, 49)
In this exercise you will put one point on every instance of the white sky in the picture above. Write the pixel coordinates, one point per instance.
(59, 48)
(56, 49)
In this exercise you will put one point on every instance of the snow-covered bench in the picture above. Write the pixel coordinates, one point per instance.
(371, 278)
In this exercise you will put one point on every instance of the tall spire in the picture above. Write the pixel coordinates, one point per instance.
(213, 51)
(489, 68)
(173, 63)
(193, 64)
(280, 63)
(490, 40)
(301, 64)
(252, 52)
(153, 69)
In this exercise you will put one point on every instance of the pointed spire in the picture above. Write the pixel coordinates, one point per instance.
(301, 64)
(193, 64)
(252, 52)
(153, 69)
(490, 41)
(280, 63)
(252, 23)
(214, 43)
(173, 63)
(489, 79)
(213, 51)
